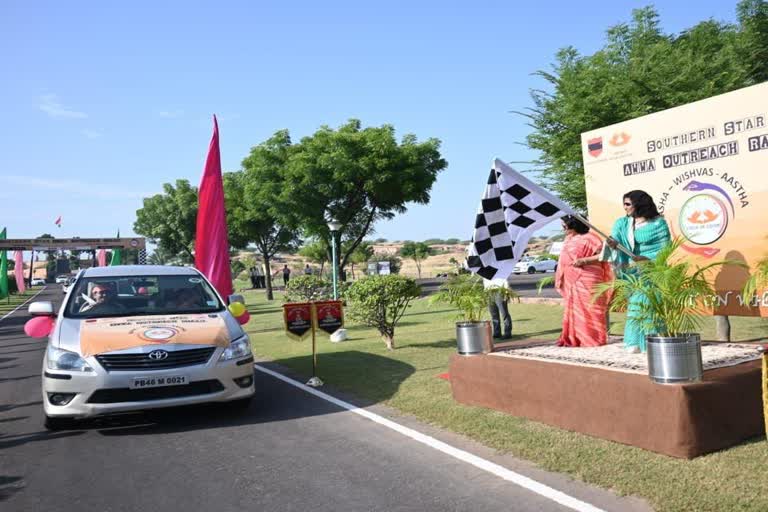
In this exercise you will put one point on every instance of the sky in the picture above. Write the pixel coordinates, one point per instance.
(103, 102)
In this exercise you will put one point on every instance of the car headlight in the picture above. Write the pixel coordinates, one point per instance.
(239, 348)
(58, 359)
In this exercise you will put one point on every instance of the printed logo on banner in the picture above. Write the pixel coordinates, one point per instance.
(159, 334)
(595, 146)
(703, 219)
(330, 316)
(619, 139)
(298, 319)
(706, 208)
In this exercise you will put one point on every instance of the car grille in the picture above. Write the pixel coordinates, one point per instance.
(118, 395)
(175, 359)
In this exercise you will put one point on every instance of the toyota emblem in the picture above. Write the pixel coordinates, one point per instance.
(158, 355)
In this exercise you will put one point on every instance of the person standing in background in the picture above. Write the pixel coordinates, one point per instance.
(286, 275)
(497, 305)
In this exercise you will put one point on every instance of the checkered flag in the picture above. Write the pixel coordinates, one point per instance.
(142, 257)
(512, 209)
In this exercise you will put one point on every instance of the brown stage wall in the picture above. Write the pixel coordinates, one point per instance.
(681, 420)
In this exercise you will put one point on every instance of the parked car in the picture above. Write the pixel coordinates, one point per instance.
(61, 279)
(139, 337)
(37, 281)
(533, 265)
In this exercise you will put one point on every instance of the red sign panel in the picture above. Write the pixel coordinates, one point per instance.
(298, 319)
(330, 315)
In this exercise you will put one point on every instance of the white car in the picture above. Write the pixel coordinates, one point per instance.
(533, 265)
(38, 281)
(139, 337)
(62, 279)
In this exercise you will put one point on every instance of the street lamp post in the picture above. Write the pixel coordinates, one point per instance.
(334, 226)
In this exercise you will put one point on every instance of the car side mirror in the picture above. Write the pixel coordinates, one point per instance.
(41, 308)
(235, 298)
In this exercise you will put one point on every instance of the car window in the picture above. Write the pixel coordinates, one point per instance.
(141, 295)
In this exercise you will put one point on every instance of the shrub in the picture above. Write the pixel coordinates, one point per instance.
(237, 268)
(381, 301)
(306, 288)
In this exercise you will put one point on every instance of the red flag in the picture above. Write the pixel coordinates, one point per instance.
(211, 243)
(18, 271)
(58, 221)
(101, 257)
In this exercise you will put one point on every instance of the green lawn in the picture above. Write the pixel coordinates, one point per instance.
(12, 301)
(405, 379)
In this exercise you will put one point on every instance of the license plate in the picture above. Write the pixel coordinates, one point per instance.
(156, 382)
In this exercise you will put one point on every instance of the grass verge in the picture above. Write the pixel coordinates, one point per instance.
(15, 299)
(405, 379)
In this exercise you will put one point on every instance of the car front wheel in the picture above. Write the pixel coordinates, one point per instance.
(54, 423)
(239, 405)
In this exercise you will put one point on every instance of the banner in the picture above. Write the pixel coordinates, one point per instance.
(704, 165)
(298, 319)
(329, 316)
(98, 335)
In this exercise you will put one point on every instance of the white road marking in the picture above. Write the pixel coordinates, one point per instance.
(478, 462)
(22, 305)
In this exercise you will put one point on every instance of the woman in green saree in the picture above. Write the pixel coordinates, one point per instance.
(644, 232)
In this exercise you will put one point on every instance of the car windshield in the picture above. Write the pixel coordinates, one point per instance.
(141, 295)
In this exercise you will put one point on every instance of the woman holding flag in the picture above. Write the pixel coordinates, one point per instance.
(645, 232)
(585, 321)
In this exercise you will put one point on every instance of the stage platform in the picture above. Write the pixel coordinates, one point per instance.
(606, 393)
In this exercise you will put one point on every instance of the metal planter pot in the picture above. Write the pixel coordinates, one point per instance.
(673, 360)
(474, 337)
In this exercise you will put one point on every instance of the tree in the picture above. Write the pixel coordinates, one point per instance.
(253, 213)
(381, 301)
(316, 252)
(236, 267)
(357, 176)
(169, 219)
(74, 261)
(753, 19)
(638, 71)
(417, 251)
(360, 255)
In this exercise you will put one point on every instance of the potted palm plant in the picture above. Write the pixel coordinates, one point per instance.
(467, 293)
(668, 293)
(758, 279)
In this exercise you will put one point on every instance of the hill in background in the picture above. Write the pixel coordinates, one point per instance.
(436, 264)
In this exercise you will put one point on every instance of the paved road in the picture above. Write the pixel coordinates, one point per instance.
(524, 284)
(290, 452)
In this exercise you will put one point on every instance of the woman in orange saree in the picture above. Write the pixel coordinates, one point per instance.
(585, 322)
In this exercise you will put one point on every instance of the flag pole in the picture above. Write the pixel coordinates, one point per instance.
(597, 230)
